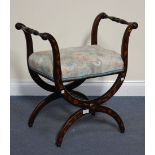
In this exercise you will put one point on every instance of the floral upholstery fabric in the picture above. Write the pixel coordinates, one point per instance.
(78, 62)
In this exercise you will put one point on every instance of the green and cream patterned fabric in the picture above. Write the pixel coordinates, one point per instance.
(78, 62)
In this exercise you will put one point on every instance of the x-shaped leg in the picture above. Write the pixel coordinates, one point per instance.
(80, 113)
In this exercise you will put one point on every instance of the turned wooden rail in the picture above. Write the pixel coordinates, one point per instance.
(20, 26)
(131, 25)
(115, 19)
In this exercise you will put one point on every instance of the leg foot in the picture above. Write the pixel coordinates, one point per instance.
(122, 130)
(93, 113)
(30, 124)
(58, 145)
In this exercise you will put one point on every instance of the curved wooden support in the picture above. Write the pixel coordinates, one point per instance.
(113, 114)
(72, 119)
(40, 82)
(125, 43)
(77, 115)
(40, 106)
(110, 93)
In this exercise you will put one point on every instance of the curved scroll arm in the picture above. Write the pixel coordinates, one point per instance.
(20, 26)
(133, 25)
(28, 31)
(125, 40)
(56, 63)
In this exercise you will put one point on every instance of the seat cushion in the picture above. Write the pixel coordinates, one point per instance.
(78, 62)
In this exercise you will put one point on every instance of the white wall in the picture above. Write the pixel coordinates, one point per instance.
(70, 22)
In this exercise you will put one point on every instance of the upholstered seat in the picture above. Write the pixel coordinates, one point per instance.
(78, 62)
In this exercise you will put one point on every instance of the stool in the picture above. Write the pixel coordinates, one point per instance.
(74, 65)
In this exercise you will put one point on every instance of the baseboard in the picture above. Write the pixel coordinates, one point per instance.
(97, 88)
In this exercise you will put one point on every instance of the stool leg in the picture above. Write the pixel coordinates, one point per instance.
(113, 114)
(72, 119)
(40, 106)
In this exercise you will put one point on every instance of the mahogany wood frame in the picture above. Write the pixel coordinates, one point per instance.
(66, 91)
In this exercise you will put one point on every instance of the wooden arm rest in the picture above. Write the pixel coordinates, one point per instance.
(55, 50)
(20, 26)
(118, 20)
(133, 25)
